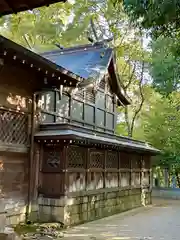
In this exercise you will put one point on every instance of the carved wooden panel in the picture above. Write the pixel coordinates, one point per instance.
(76, 157)
(52, 159)
(111, 180)
(94, 180)
(13, 127)
(76, 182)
(112, 160)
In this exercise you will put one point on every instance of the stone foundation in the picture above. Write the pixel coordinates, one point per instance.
(73, 210)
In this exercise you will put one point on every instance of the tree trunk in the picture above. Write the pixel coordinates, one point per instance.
(177, 178)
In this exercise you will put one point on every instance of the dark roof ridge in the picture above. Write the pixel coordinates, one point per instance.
(76, 48)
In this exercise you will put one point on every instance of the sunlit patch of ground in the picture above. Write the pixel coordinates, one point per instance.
(161, 221)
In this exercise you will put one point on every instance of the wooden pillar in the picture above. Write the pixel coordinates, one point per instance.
(31, 157)
(65, 170)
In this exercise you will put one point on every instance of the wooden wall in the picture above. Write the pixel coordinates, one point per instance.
(14, 183)
(75, 169)
(15, 111)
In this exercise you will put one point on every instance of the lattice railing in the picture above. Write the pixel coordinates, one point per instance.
(13, 127)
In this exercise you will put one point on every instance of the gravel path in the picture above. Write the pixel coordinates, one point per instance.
(161, 221)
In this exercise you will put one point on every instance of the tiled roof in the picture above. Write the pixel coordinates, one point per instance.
(66, 131)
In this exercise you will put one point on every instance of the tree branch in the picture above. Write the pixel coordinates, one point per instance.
(142, 99)
(127, 121)
(26, 40)
(130, 78)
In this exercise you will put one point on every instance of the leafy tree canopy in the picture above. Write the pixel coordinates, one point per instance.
(161, 16)
(160, 125)
(165, 70)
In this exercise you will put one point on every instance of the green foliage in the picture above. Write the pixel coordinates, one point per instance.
(160, 125)
(161, 16)
(165, 69)
(39, 28)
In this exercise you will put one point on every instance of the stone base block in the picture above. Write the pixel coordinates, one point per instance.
(80, 209)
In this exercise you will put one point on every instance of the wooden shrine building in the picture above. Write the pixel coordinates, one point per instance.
(60, 157)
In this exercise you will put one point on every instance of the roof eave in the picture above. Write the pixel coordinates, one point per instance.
(55, 74)
(70, 131)
(118, 89)
(24, 6)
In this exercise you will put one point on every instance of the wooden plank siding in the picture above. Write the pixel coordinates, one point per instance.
(84, 108)
(89, 169)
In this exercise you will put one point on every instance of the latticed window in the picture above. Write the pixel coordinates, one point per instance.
(76, 157)
(112, 159)
(96, 160)
(13, 127)
(89, 96)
